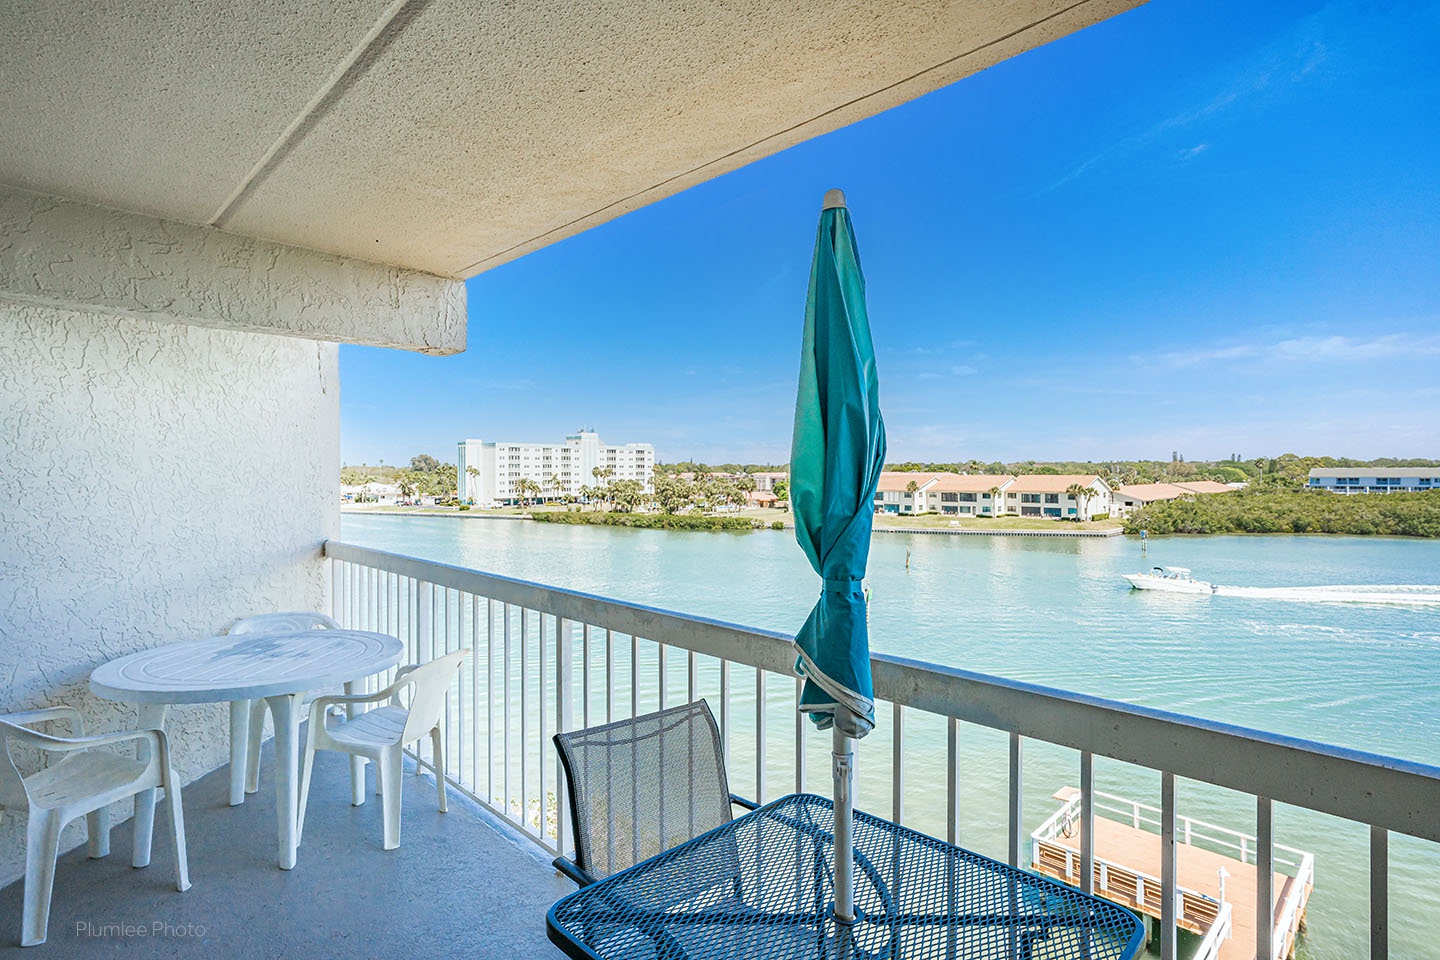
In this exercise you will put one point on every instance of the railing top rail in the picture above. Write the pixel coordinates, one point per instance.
(1388, 792)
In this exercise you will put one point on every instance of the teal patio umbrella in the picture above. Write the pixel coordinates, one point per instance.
(836, 456)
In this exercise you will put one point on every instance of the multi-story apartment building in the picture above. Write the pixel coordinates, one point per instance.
(489, 471)
(952, 494)
(1047, 495)
(1374, 479)
(967, 494)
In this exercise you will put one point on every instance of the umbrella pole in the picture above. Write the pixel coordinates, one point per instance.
(843, 768)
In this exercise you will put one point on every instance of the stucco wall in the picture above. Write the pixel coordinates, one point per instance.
(59, 253)
(159, 480)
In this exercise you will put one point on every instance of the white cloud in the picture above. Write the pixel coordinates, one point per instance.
(1330, 349)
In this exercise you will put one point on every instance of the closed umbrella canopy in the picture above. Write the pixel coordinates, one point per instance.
(836, 456)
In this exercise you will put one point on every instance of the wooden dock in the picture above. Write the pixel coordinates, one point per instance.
(1127, 871)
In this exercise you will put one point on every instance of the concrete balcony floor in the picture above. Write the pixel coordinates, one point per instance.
(460, 885)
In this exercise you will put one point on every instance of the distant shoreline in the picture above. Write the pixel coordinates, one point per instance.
(453, 514)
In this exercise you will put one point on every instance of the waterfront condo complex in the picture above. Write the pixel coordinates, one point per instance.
(1375, 479)
(489, 472)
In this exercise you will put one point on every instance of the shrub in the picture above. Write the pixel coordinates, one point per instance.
(649, 521)
(1270, 510)
(777, 525)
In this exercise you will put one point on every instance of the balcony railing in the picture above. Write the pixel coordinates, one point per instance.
(549, 659)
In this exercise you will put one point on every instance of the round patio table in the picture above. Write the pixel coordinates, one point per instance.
(278, 667)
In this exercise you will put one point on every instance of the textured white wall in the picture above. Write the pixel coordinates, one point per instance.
(159, 480)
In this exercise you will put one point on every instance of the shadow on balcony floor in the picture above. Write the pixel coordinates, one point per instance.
(460, 885)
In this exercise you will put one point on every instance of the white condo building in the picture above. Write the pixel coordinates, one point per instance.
(560, 469)
(1375, 479)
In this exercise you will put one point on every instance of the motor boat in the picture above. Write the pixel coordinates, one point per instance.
(1169, 580)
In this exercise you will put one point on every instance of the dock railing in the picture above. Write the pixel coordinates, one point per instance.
(1197, 910)
(1209, 948)
(1143, 816)
(545, 660)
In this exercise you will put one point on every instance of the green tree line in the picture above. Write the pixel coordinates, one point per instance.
(1262, 509)
(425, 477)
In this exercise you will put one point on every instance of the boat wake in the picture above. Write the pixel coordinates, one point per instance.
(1407, 594)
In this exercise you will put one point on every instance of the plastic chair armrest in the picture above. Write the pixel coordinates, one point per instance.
(573, 871)
(66, 744)
(740, 801)
(320, 703)
(59, 712)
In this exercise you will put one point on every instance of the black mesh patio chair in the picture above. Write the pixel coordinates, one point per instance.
(641, 786)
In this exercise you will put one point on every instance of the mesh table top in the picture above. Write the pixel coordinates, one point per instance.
(762, 887)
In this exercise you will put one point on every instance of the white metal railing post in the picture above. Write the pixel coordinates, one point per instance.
(584, 677)
(1379, 894)
(1087, 821)
(725, 708)
(800, 723)
(1168, 873)
(506, 706)
(542, 667)
(1017, 800)
(490, 702)
(1017, 829)
(332, 586)
(634, 676)
(952, 780)
(1264, 879)
(425, 626)
(759, 735)
(564, 721)
(475, 694)
(609, 677)
(525, 718)
(897, 764)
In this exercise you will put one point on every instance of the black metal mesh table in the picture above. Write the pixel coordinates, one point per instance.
(762, 887)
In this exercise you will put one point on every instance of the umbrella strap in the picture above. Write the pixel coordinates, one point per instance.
(842, 584)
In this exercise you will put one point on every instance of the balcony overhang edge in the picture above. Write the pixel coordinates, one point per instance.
(77, 256)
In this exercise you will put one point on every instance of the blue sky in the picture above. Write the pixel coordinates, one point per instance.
(1211, 227)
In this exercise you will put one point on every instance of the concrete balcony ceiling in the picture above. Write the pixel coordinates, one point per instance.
(449, 136)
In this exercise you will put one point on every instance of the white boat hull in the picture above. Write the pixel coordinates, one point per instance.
(1145, 581)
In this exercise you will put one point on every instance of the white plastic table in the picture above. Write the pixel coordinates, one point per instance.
(277, 667)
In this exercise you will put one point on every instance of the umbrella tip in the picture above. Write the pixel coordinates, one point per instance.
(833, 198)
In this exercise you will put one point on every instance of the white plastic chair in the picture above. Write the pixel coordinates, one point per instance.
(82, 783)
(273, 623)
(381, 735)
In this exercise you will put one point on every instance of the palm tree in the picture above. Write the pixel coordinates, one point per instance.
(471, 473)
(995, 502)
(1081, 494)
(525, 486)
(552, 483)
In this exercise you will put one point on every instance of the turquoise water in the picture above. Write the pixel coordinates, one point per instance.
(1055, 611)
